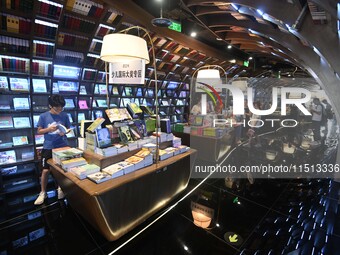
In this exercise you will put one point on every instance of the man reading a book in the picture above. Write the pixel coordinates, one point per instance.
(53, 124)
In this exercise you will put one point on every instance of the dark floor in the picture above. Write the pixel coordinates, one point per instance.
(260, 214)
(270, 216)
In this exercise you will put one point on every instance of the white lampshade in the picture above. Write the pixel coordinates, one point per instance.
(124, 47)
(208, 74)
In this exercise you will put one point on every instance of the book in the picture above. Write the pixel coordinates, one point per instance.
(146, 110)
(113, 114)
(63, 129)
(69, 117)
(81, 116)
(116, 170)
(97, 123)
(19, 84)
(135, 133)
(138, 162)
(3, 83)
(39, 85)
(134, 109)
(70, 134)
(84, 124)
(82, 90)
(82, 171)
(82, 104)
(69, 103)
(21, 103)
(125, 115)
(6, 122)
(55, 88)
(103, 138)
(73, 162)
(99, 177)
(101, 103)
(125, 134)
(98, 114)
(21, 122)
(102, 89)
(67, 86)
(19, 140)
(39, 139)
(27, 155)
(7, 157)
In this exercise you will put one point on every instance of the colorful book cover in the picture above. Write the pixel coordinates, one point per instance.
(82, 104)
(19, 140)
(19, 84)
(39, 86)
(3, 83)
(6, 122)
(21, 122)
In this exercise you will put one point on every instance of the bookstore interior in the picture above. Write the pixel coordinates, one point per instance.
(193, 127)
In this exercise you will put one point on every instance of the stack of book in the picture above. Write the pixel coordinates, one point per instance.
(119, 169)
(73, 162)
(84, 170)
(106, 152)
(146, 155)
(164, 154)
(99, 177)
(65, 153)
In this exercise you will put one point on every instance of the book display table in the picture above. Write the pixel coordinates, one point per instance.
(116, 206)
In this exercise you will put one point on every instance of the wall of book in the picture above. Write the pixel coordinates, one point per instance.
(52, 47)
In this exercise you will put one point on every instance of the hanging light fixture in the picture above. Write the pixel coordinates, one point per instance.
(208, 74)
(124, 47)
(121, 47)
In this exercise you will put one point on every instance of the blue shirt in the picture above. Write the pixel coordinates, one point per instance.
(54, 139)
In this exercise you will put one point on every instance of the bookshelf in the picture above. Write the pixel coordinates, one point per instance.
(55, 45)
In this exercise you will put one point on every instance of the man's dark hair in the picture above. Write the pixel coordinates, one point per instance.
(56, 101)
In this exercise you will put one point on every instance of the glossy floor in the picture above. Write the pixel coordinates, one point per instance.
(244, 210)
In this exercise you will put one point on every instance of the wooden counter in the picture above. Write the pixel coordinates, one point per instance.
(116, 206)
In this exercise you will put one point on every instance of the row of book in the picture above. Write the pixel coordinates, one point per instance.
(14, 24)
(111, 15)
(14, 45)
(45, 31)
(94, 62)
(43, 50)
(50, 10)
(95, 46)
(90, 75)
(41, 68)
(81, 25)
(10, 157)
(16, 122)
(103, 30)
(85, 7)
(72, 57)
(22, 5)
(72, 40)
(10, 64)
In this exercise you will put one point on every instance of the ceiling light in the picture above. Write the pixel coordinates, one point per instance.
(193, 34)
(232, 61)
(185, 247)
(250, 58)
(235, 7)
(219, 39)
(229, 46)
(260, 12)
